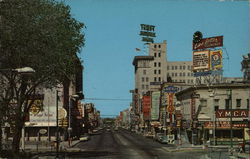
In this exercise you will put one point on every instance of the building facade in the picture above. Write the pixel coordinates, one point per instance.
(208, 112)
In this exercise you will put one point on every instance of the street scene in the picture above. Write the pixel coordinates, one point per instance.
(134, 79)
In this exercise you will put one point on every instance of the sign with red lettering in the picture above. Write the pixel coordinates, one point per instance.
(225, 124)
(236, 113)
(146, 101)
(192, 108)
(170, 106)
(209, 43)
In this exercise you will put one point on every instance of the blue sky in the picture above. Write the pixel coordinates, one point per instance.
(112, 34)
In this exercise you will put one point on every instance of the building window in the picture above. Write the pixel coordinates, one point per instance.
(172, 67)
(144, 72)
(216, 103)
(159, 64)
(142, 86)
(146, 79)
(155, 79)
(189, 67)
(155, 54)
(188, 74)
(175, 68)
(227, 104)
(184, 67)
(180, 67)
(159, 54)
(176, 74)
(155, 46)
(183, 74)
(180, 74)
(159, 46)
(172, 74)
(144, 64)
(155, 64)
(238, 103)
(142, 79)
(146, 86)
(155, 71)
(248, 104)
(159, 79)
(159, 72)
(167, 67)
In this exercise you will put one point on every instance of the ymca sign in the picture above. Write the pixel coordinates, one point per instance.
(236, 113)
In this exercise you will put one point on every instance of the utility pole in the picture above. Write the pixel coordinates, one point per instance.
(231, 123)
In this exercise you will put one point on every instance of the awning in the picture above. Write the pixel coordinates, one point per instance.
(203, 117)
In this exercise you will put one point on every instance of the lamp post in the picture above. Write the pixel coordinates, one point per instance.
(57, 128)
(231, 122)
(73, 97)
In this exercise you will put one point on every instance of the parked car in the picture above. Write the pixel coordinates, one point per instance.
(158, 136)
(85, 137)
(163, 139)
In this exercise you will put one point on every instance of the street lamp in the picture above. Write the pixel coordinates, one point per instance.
(73, 97)
(231, 122)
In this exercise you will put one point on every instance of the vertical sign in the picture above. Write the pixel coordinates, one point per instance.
(155, 105)
(146, 101)
(170, 107)
(192, 108)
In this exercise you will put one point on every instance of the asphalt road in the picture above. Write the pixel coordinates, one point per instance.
(123, 144)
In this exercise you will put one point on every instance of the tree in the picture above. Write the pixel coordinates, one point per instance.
(40, 34)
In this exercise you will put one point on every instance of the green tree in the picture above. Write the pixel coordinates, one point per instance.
(40, 34)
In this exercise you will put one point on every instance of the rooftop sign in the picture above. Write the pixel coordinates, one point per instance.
(209, 43)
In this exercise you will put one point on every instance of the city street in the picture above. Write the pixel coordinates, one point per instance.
(124, 144)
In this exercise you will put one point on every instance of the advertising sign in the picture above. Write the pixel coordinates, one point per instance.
(170, 89)
(201, 60)
(146, 101)
(209, 43)
(192, 108)
(170, 107)
(225, 124)
(155, 105)
(216, 59)
(236, 113)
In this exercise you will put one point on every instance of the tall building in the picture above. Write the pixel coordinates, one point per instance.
(180, 71)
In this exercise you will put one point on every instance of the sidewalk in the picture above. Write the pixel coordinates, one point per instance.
(43, 146)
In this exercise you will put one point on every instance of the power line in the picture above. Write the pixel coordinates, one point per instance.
(111, 99)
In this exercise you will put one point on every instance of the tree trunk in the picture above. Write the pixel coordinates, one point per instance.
(1, 137)
(17, 136)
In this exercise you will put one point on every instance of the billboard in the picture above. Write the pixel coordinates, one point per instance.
(216, 60)
(201, 60)
(209, 43)
(146, 102)
(155, 105)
